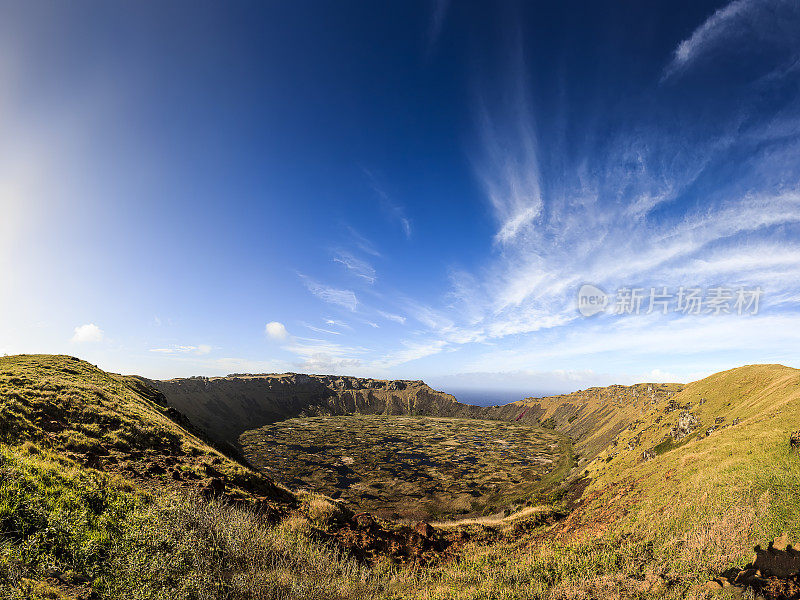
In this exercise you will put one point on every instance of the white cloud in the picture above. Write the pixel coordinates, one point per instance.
(199, 350)
(437, 19)
(628, 341)
(337, 323)
(410, 351)
(713, 29)
(361, 242)
(344, 298)
(322, 363)
(87, 333)
(228, 365)
(394, 210)
(732, 25)
(323, 356)
(321, 330)
(392, 317)
(276, 331)
(509, 168)
(359, 268)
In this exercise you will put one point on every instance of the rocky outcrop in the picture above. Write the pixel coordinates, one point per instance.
(686, 424)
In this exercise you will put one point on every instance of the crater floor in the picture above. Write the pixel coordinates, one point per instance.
(412, 467)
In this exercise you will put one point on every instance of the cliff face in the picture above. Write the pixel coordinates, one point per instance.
(225, 407)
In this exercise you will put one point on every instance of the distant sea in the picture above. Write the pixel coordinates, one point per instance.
(492, 397)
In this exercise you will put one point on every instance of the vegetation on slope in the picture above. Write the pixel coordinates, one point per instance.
(104, 493)
(413, 467)
(116, 424)
(90, 505)
(594, 417)
(69, 532)
(671, 505)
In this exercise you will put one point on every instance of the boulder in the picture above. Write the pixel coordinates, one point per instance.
(212, 472)
(426, 530)
(363, 520)
(213, 489)
(155, 469)
(686, 423)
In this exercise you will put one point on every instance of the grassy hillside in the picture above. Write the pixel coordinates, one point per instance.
(667, 508)
(107, 492)
(728, 476)
(593, 418)
(71, 533)
(116, 424)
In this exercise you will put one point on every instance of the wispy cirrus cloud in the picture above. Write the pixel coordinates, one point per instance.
(408, 352)
(199, 350)
(436, 23)
(626, 212)
(394, 210)
(392, 317)
(321, 329)
(337, 323)
(356, 266)
(713, 31)
(735, 27)
(508, 168)
(322, 356)
(339, 297)
(361, 242)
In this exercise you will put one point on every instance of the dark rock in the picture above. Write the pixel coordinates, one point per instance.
(746, 577)
(211, 471)
(213, 489)
(363, 520)
(686, 424)
(54, 573)
(424, 529)
(155, 469)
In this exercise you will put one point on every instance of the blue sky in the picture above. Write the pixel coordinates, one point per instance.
(398, 189)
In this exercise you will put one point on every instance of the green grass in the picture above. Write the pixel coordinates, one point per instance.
(125, 544)
(71, 407)
(644, 529)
